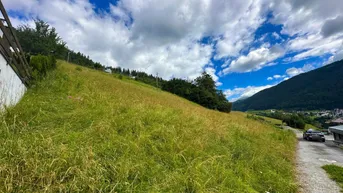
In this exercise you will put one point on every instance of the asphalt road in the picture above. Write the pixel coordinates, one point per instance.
(310, 157)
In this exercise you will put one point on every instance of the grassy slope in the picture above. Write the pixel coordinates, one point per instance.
(309, 126)
(272, 120)
(335, 173)
(88, 131)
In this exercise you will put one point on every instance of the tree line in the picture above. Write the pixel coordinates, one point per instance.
(202, 90)
(44, 40)
(291, 119)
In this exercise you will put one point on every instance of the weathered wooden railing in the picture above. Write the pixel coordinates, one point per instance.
(10, 48)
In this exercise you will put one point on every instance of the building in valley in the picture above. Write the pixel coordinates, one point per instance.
(337, 132)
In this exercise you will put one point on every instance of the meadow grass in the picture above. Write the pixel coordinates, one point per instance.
(309, 126)
(335, 173)
(272, 120)
(279, 122)
(88, 131)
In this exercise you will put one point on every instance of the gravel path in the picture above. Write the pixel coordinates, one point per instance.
(310, 157)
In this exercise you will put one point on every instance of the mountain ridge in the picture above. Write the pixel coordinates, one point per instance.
(321, 88)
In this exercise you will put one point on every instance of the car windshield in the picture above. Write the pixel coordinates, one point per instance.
(317, 132)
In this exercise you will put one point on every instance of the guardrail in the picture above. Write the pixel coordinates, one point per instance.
(10, 48)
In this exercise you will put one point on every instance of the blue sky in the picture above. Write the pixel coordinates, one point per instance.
(246, 46)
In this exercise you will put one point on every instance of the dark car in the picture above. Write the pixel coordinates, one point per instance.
(314, 135)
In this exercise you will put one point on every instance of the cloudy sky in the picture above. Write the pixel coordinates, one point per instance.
(245, 45)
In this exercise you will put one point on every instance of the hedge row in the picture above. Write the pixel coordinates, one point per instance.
(40, 65)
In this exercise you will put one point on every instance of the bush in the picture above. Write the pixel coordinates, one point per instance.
(40, 65)
(78, 69)
(202, 91)
(225, 107)
(295, 121)
(52, 61)
(292, 120)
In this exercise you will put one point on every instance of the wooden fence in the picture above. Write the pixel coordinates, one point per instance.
(10, 48)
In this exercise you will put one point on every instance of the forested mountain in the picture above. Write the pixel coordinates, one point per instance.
(318, 89)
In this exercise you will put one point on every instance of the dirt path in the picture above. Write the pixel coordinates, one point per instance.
(310, 157)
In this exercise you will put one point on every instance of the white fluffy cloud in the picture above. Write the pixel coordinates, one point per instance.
(316, 25)
(318, 47)
(336, 57)
(295, 71)
(166, 37)
(242, 93)
(255, 60)
(276, 35)
(332, 26)
(239, 33)
(150, 35)
(303, 16)
(276, 76)
(163, 37)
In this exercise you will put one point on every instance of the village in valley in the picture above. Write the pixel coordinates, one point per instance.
(325, 117)
(331, 117)
(335, 115)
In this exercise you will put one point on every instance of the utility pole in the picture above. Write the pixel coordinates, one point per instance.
(68, 56)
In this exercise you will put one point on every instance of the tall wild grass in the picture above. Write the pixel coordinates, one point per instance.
(87, 131)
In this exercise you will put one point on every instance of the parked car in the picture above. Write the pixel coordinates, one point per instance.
(314, 135)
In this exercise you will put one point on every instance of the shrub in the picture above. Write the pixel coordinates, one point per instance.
(120, 77)
(294, 121)
(225, 107)
(40, 65)
(78, 69)
(52, 61)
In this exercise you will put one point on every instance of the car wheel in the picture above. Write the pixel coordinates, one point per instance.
(323, 140)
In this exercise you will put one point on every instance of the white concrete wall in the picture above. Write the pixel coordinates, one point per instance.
(11, 87)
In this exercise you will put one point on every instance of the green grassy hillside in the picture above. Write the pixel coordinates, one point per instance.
(87, 131)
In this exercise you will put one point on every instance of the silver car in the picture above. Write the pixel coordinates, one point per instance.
(314, 135)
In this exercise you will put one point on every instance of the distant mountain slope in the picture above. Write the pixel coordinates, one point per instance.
(318, 89)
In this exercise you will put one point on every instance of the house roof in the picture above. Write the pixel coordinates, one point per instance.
(337, 129)
(339, 120)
